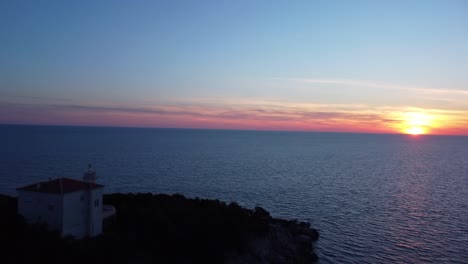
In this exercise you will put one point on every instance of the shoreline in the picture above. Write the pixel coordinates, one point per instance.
(168, 229)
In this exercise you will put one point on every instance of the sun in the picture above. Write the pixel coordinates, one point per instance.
(415, 131)
(416, 123)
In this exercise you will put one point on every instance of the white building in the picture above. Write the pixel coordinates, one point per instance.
(69, 206)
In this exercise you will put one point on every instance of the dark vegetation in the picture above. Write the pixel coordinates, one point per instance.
(163, 229)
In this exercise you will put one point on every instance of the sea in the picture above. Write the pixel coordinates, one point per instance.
(374, 198)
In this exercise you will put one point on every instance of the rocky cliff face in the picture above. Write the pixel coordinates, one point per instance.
(162, 228)
(285, 242)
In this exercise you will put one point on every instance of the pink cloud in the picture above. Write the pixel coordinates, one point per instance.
(256, 117)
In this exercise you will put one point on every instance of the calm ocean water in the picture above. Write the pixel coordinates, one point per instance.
(374, 198)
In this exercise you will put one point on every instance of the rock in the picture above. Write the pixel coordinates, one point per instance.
(286, 242)
(159, 228)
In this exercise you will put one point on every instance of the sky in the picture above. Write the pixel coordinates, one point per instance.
(341, 66)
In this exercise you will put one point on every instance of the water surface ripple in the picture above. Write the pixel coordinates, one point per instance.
(374, 198)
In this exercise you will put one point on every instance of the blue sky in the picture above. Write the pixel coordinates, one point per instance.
(398, 55)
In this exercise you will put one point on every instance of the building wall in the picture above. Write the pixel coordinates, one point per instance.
(75, 214)
(96, 207)
(39, 208)
(79, 221)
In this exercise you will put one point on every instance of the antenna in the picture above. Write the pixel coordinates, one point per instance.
(61, 186)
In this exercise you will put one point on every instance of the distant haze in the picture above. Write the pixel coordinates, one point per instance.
(345, 66)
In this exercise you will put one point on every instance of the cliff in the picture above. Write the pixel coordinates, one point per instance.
(164, 229)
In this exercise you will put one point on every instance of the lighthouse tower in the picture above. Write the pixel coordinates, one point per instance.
(90, 175)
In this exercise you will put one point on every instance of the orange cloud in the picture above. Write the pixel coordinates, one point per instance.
(265, 115)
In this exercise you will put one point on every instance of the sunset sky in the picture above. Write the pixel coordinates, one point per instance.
(344, 66)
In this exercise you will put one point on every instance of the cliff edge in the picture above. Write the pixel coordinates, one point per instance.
(159, 228)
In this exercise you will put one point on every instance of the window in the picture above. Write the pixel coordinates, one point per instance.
(96, 203)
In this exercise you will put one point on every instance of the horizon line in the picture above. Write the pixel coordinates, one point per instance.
(230, 129)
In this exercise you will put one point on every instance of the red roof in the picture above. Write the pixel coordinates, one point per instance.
(61, 185)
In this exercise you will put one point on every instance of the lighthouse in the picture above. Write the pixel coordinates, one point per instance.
(71, 207)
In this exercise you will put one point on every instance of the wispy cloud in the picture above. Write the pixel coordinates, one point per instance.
(379, 85)
(33, 99)
(266, 113)
(247, 114)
